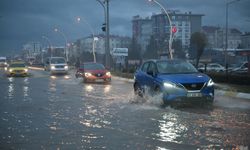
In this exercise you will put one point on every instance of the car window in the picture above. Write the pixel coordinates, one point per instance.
(57, 60)
(145, 67)
(92, 66)
(17, 65)
(171, 67)
(152, 67)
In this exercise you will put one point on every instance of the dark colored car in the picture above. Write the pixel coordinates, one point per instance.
(93, 72)
(177, 80)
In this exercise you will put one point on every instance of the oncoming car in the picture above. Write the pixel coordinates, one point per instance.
(56, 65)
(93, 72)
(17, 69)
(177, 80)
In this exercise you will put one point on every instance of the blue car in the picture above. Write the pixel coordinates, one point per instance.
(177, 80)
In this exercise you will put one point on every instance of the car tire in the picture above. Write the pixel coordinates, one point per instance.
(137, 90)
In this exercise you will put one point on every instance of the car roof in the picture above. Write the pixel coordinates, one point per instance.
(162, 60)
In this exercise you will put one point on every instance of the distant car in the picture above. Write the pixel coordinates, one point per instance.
(56, 65)
(212, 67)
(177, 80)
(17, 69)
(241, 68)
(215, 67)
(93, 72)
(3, 62)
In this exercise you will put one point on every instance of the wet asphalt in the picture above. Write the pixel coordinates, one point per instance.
(62, 112)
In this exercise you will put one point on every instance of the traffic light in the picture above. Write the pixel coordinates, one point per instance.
(104, 27)
(174, 29)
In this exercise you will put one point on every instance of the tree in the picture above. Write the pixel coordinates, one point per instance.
(151, 50)
(178, 51)
(134, 51)
(198, 43)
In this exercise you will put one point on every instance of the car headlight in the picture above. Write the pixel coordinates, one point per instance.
(108, 73)
(210, 83)
(169, 85)
(5, 68)
(52, 67)
(87, 74)
(66, 67)
(10, 70)
(26, 70)
(5, 63)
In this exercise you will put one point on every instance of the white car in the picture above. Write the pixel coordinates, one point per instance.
(56, 65)
(3, 62)
(241, 68)
(215, 67)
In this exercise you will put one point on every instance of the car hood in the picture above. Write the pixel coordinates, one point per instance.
(184, 78)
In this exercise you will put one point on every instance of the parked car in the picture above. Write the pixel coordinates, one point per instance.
(177, 80)
(3, 62)
(241, 68)
(212, 67)
(17, 69)
(56, 65)
(93, 72)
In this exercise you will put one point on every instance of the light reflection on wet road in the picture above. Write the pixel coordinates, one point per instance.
(58, 112)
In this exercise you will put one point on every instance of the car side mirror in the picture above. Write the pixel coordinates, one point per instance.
(152, 73)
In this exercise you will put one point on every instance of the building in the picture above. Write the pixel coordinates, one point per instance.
(158, 27)
(142, 30)
(245, 41)
(186, 24)
(217, 36)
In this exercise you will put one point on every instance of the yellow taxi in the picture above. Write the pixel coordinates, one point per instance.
(17, 69)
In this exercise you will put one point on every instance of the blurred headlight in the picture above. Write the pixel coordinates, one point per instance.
(26, 70)
(169, 85)
(52, 67)
(66, 67)
(5, 68)
(87, 74)
(5, 63)
(108, 73)
(10, 70)
(210, 83)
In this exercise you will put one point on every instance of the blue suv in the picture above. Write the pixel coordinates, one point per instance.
(177, 80)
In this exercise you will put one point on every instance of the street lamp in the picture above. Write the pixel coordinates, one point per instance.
(93, 36)
(226, 44)
(50, 46)
(170, 23)
(105, 5)
(66, 42)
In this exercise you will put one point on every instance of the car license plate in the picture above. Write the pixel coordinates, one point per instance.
(99, 80)
(194, 94)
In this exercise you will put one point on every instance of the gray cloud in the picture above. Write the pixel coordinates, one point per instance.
(22, 21)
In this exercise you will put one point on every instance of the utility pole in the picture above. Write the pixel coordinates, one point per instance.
(105, 5)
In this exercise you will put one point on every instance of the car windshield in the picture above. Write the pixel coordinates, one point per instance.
(57, 60)
(92, 66)
(17, 65)
(172, 67)
(2, 60)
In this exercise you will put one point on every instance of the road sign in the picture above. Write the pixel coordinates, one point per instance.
(119, 52)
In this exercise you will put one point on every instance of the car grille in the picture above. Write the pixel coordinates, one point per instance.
(193, 86)
(18, 71)
(59, 66)
(98, 74)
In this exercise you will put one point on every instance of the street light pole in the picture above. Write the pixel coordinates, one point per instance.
(107, 46)
(66, 42)
(93, 36)
(170, 24)
(50, 46)
(226, 42)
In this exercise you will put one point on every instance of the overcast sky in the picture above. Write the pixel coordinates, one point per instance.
(22, 21)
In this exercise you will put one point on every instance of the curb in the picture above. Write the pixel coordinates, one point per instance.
(217, 91)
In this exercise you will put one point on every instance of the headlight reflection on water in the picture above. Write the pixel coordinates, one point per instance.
(170, 128)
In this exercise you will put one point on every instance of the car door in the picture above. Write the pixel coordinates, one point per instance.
(151, 76)
(141, 74)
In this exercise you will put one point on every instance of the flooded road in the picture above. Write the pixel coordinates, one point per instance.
(62, 112)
